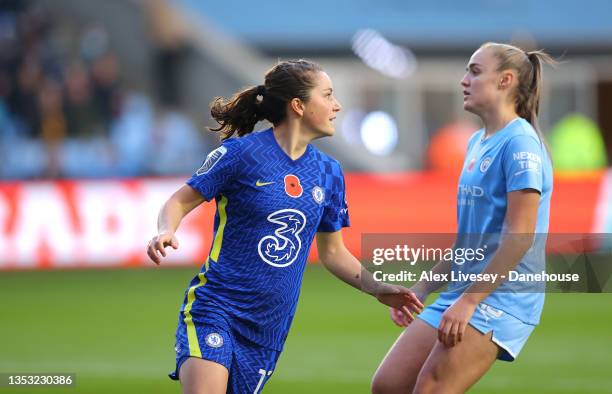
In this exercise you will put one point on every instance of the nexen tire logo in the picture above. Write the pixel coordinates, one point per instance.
(469, 190)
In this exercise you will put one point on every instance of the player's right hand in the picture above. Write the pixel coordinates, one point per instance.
(158, 244)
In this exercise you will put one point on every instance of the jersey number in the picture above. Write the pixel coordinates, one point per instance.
(263, 374)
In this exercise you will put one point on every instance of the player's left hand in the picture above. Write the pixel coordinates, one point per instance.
(401, 299)
(454, 321)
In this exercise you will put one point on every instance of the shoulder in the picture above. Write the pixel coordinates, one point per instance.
(326, 161)
(475, 137)
(522, 131)
(236, 145)
(522, 141)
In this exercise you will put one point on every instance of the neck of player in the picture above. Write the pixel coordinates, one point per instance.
(497, 118)
(292, 139)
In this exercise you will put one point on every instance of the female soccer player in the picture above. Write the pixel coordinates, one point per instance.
(503, 202)
(274, 191)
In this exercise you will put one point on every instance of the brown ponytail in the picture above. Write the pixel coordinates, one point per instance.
(237, 115)
(284, 82)
(530, 90)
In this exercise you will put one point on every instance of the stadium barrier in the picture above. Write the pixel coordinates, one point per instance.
(107, 223)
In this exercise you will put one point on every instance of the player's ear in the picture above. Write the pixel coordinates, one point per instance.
(297, 106)
(507, 77)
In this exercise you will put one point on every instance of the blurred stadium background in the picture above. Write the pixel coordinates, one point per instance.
(103, 110)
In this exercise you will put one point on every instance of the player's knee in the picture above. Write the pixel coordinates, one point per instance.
(379, 386)
(430, 383)
(386, 385)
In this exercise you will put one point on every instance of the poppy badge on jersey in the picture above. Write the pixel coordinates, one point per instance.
(293, 187)
(471, 165)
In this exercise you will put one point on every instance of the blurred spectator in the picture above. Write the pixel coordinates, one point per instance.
(83, 115)
(106, 87)
(52, 125)
(64, 111)
(22, 100)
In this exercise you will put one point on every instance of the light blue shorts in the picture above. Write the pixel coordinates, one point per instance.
(509, 333)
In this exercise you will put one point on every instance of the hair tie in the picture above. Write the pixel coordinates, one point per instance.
(261, 90)
(531, 55)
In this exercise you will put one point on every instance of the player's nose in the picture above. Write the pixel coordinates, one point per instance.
(337, 106)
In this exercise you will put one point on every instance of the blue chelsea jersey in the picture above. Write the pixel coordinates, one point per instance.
(512, 159)
(268, 210)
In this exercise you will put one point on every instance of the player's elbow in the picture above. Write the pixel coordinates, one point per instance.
(329, 254)
(327, 257)
(521, 242)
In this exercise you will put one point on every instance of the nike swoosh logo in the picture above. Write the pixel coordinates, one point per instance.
(260, 183)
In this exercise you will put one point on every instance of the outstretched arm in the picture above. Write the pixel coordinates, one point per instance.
(172, 212)
(340, 262)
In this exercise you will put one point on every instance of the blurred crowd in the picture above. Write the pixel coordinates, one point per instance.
(66, 112)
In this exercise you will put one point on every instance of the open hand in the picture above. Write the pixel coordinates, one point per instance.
(403, 300)
(400, 317)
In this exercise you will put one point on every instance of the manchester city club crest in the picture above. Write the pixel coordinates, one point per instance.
(318, 194)
(214, 340)
(485, 164)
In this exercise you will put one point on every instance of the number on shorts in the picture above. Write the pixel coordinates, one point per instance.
(263, 374)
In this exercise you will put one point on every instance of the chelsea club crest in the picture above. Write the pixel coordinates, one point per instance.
(318, 194)
(214, 340)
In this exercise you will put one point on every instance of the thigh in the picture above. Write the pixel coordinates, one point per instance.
(252, 367)
(203, 357)
(200, 376)
(399, 369)
(455, 369)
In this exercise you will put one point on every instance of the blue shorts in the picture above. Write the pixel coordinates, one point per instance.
(249, 364)
(509, 333)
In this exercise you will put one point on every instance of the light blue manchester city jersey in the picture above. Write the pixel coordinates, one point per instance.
(512, 159)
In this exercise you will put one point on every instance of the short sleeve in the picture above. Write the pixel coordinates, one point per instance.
(335, 213)
(522, 162)
(217, 171)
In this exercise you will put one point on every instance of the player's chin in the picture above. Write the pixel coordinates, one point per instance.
(326, 131)
(468, 107)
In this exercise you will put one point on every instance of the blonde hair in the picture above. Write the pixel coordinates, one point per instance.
(528, 67)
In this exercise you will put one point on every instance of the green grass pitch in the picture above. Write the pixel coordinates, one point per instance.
(115, 330)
